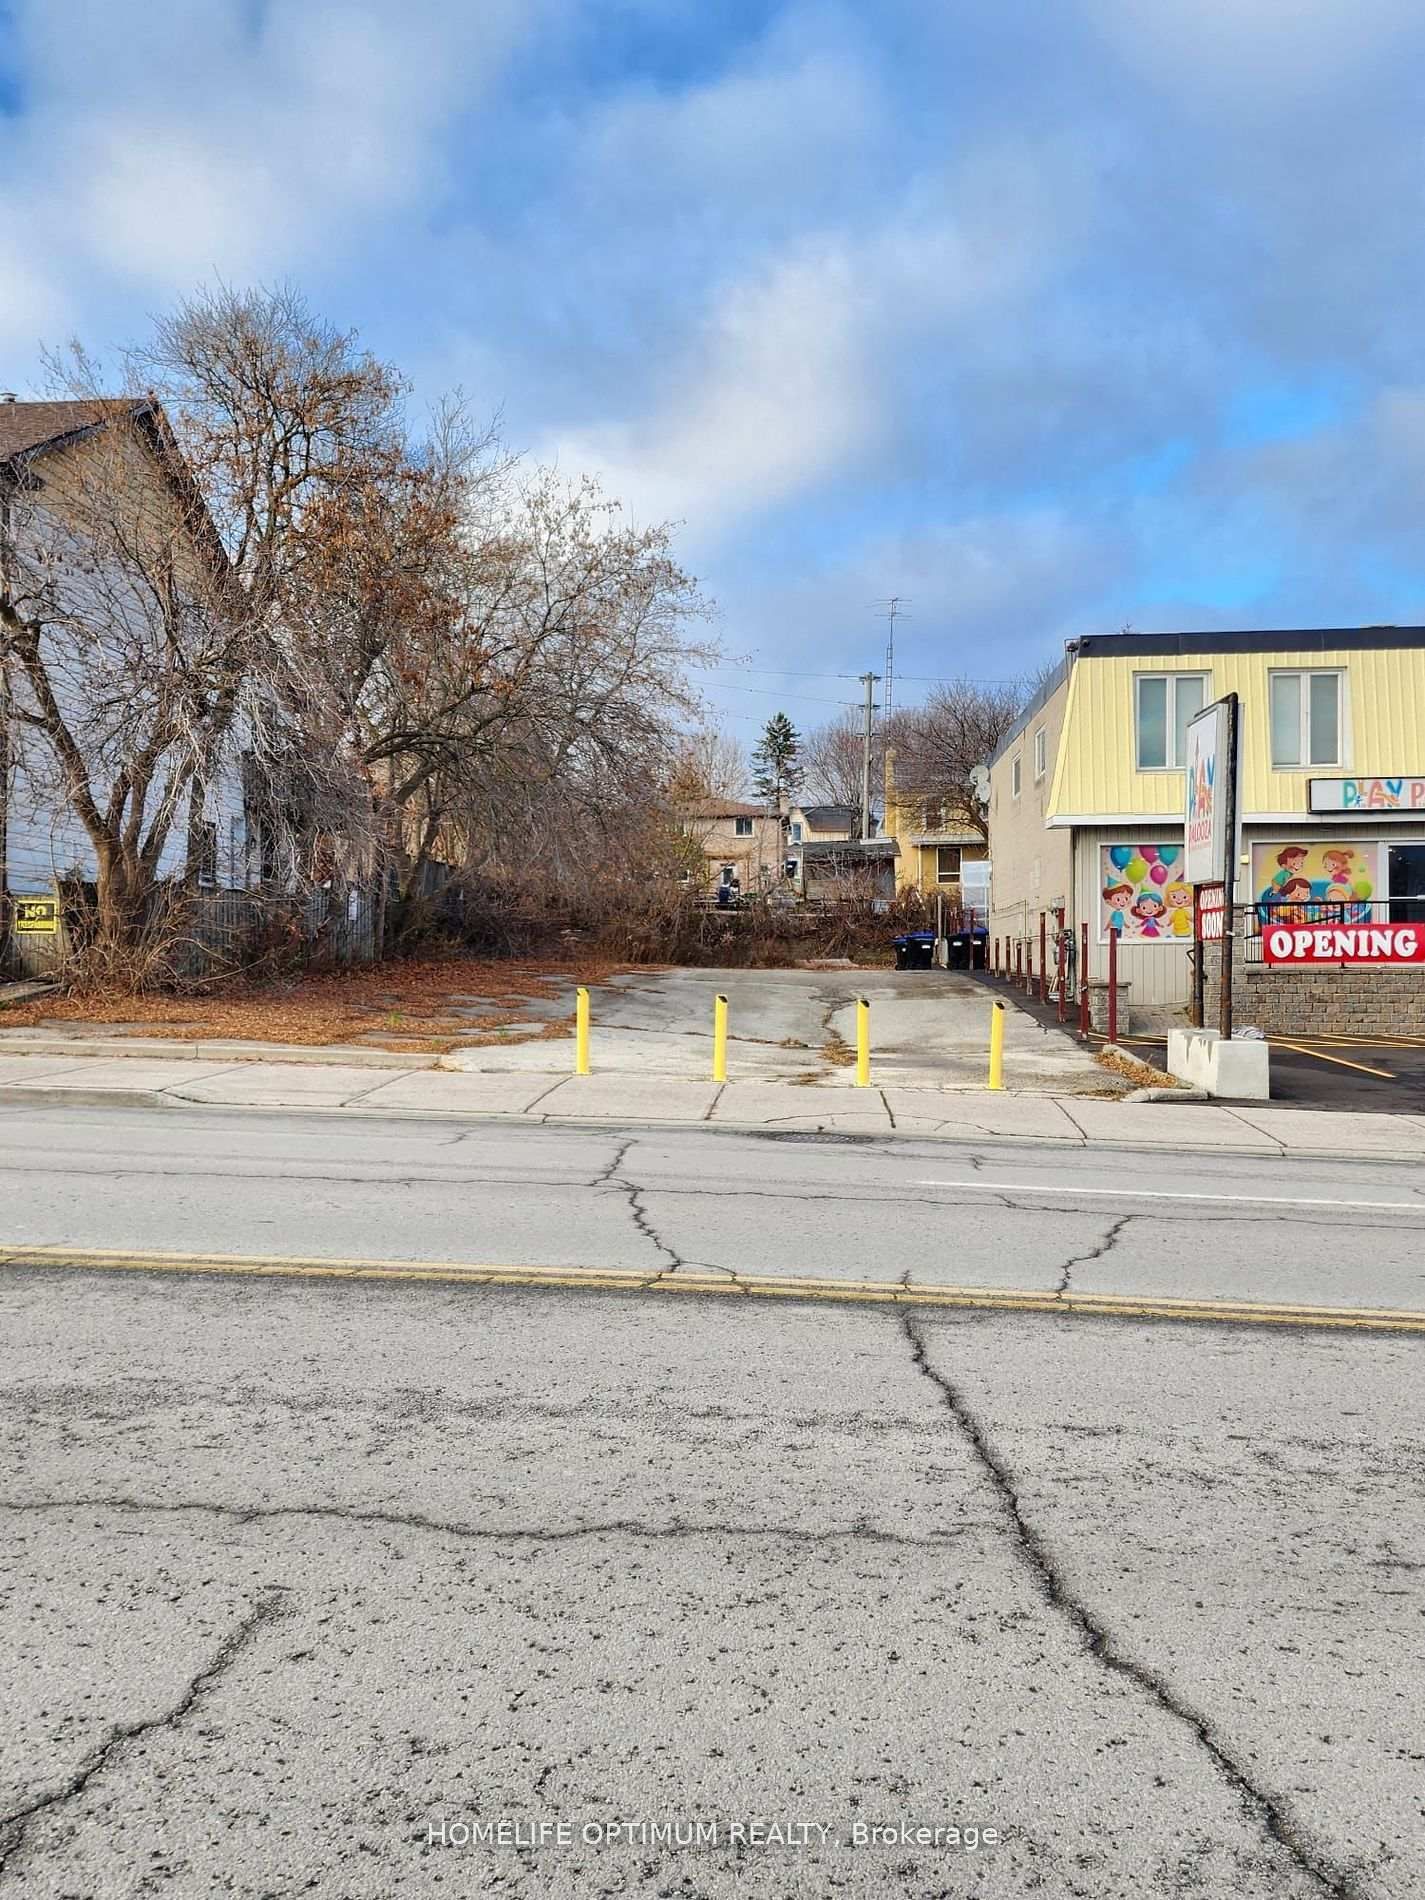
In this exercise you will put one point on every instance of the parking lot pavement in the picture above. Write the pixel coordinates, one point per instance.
(929, 1029)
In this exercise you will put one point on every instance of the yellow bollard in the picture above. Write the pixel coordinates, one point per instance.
(863, 1043)
(997, 1047)
(719, 1039)
(581, 1031)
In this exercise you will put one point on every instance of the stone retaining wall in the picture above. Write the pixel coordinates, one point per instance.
(1351, 1002)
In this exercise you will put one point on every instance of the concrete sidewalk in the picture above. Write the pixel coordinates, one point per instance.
(394, 1087)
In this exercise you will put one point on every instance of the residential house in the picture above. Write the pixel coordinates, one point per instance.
(819, 825)
(834, 868)
(937, 844)
(52, 454)
(1087, 795)
(738, 842)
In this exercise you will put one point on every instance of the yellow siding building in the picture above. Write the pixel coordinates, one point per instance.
(933, 840)
(1334, 706)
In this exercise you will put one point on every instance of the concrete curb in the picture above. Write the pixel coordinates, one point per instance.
(161, 1048)
(39, 1096)
(1158, 1094)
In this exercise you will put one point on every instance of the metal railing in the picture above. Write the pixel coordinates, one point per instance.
(1263, 912)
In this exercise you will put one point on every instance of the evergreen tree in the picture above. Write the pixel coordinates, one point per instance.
(777, 760)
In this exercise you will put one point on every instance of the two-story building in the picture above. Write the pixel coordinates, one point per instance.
(937, 845)
(739, 843)
(1087, 793)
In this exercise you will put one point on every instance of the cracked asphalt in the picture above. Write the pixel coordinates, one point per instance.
(1012, 1216)
(298, 1574)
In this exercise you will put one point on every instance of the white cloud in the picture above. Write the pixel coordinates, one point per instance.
(162, 142)
(796, 378)
(768, 399)
(1256, 55)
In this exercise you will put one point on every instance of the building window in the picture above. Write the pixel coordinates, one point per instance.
(947, 864)
(1041, 754)
(742, 827)
(1014, 776)
(1166, 703)
(204, 848)
(794, 831)
(1306, 719)
(1407, 885)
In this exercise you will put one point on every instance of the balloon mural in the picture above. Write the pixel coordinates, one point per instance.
(1143, 895)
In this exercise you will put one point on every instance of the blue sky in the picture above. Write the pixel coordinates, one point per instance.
(1050, 315)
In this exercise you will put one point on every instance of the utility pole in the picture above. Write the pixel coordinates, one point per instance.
(868, 680)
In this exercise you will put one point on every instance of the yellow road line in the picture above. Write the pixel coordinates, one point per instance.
(1340, 1061)
(744, 1286)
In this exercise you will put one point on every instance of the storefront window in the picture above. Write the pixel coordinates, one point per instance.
(1407, 883)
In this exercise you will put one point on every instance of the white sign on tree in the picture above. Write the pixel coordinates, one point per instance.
(1205, 816)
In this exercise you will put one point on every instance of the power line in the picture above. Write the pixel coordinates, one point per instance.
(918, 679)
(803, 699)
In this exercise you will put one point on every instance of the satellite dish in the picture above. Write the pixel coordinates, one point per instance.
(980, 782)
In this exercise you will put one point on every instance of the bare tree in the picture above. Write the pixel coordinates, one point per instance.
(124, 654)
(709, 764)
(402, 648)
(938, 744)
(831, 761)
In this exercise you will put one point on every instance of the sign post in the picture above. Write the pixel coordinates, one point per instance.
(1210, 830)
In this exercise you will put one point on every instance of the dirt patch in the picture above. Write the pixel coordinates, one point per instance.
(407, 1007)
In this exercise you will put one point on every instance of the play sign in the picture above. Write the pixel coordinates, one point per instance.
(1304, 944)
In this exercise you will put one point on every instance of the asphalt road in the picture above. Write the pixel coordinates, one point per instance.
(1160, 1223)
(303, 1579)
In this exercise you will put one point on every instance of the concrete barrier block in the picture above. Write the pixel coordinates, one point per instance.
(1241, 1070)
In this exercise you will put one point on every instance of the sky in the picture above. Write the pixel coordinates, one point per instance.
(1047, 316)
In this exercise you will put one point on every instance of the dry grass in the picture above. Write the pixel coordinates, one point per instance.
(400, 1005)
(1141, 1074)
(837, 1051)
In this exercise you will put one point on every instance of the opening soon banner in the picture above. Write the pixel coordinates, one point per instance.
(1304, 944)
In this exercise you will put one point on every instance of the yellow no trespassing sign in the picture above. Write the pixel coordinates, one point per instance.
(36, 916)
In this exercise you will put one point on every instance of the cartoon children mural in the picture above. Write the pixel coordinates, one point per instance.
(1143, 895)
(1315, 883)
(1149, 908)
(1178, 898)
(1116, 900)
(1292, 907)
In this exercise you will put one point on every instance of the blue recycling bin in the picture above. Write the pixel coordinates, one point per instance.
(915, 950)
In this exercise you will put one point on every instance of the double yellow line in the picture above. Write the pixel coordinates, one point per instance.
(728, 1285)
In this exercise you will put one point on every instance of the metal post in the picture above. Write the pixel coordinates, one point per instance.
(581, 1031)
(1112, 985)
(1063, 967)
(868, 680)
(1199, 974)
(1043, 957)
(1028, 966)
(997, 1045)
(1083, 979)
(1229, 877)
(863, 1043)
(719, 1073)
